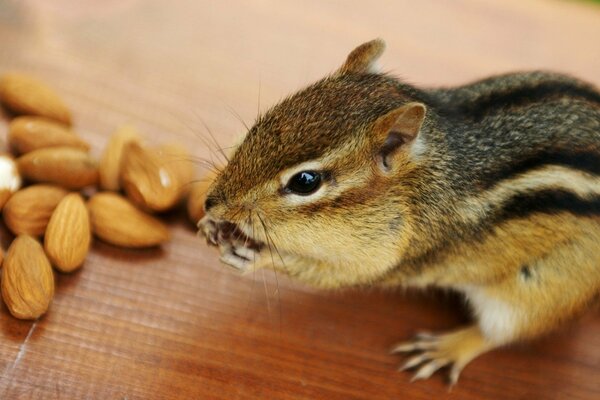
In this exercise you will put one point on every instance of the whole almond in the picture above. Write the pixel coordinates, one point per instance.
(65, 166)
(27, 279)
(180, 161)
(197, 197)
(68, 235)
(24, 94)
(29, 133)
(153, 178)
(28, 211)
(116, 220)
(110, 163)
(10, 179)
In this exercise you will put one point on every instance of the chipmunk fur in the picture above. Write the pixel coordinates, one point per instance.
(491, 189)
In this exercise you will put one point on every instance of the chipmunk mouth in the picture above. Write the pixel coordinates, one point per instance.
(225, 231)
(236, 247)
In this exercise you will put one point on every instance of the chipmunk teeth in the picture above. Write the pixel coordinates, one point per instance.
(244, 253)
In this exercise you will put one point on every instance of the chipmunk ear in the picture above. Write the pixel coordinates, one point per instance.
(397, 129)
(363, 58)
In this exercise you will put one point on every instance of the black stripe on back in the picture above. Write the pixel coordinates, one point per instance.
(584, 161)
(525, 95)
(519, 206)
(551, 201)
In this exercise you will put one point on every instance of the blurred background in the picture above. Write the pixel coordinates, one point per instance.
(218, 54)
(173, 323)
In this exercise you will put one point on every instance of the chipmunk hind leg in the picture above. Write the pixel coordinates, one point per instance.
(535, 299)
(454, 349)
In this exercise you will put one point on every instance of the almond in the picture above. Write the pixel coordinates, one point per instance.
(24, 94)
(10, 179)
(27, 279)
(68, 235)
(28, 211)
(110, 163)
(31, 133)
(155, 179)
(65, 166)
(180, 160)
(197, 197)
(116, 220)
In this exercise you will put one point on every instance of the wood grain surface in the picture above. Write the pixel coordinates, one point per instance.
(172, 323)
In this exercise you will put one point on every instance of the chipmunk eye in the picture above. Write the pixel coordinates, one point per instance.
(304, 183)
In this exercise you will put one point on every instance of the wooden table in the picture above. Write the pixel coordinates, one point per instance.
(174, 324)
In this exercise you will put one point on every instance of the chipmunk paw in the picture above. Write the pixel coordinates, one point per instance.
(237, 249)
(455, 349)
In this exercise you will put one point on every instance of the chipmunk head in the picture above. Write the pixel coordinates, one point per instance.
(324, 175)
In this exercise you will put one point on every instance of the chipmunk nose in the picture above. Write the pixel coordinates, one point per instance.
(209, 203)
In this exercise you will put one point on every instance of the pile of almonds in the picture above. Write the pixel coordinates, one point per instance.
(72, 196)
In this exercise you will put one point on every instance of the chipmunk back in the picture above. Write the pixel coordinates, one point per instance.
(491, 189)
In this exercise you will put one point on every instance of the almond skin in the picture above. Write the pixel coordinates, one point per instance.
(155, 179)
(29, 133)
(117, 221)
(65, 166)
(181, 162)
(10, 179)
(28, 211)
(27, 279)
(68, 235)
(110, 163)
(23, 94)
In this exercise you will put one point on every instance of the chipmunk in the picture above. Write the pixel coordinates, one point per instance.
(491, 189)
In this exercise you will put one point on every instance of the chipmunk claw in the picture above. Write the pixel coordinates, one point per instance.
(207, 227)
(421, 341)
(238, 251)
(429, 361)
(429, 368)
(239, 257)
(455, 349)
(413, 362)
